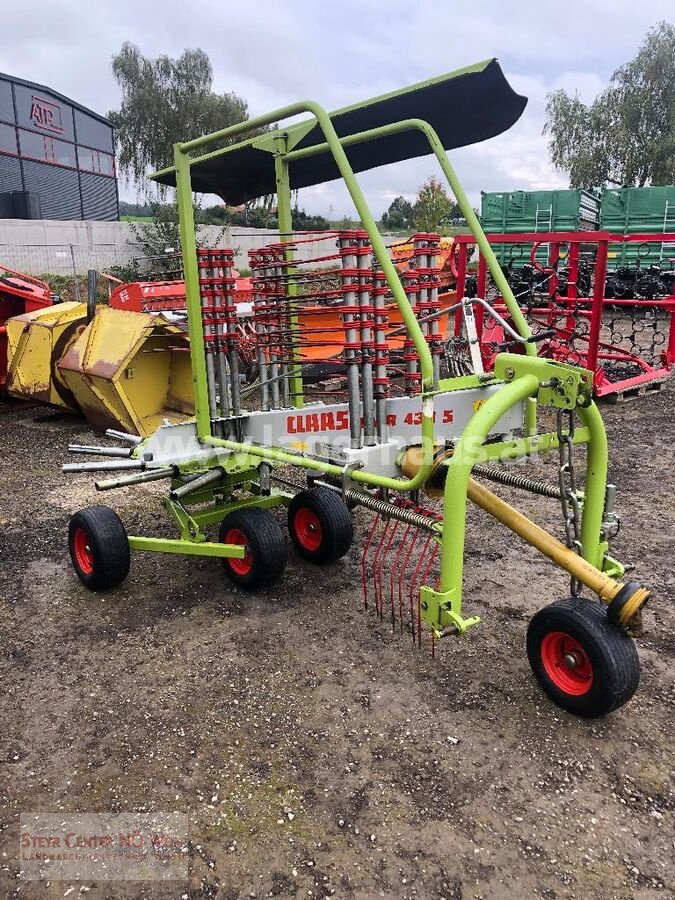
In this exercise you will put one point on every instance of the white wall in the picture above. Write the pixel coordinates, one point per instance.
(44, 246)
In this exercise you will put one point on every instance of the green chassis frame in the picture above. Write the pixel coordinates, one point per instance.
(527, 379)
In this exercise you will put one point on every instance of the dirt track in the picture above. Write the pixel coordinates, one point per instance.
(314, 752)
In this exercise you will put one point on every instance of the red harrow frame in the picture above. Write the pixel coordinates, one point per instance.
(629, 344)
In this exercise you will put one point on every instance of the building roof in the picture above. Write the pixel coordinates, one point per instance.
(33, 85)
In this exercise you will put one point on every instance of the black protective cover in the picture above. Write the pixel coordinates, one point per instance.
(463, 107)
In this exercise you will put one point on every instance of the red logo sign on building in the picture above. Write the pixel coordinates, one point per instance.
(46, 114)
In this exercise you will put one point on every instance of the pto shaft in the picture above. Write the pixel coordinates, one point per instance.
(608, 589)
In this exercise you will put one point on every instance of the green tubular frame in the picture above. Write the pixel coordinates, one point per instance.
(336, 146)
(190, 521)
(285, 218)
(470, 449)
(468, 452)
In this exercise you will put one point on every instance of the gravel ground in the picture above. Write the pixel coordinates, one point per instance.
(314, 752)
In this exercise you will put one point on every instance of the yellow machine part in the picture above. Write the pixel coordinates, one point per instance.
(35, 342)
(131, 371)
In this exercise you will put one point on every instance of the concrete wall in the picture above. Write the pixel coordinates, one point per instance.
(44, 246)
(41, 246)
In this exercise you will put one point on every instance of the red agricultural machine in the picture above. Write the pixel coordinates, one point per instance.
(19, 294)
(580, 315)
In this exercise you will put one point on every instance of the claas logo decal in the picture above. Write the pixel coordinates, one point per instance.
(339, 421)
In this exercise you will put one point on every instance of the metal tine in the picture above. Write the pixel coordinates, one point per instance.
(100, 451)
(391, 569)
(376, 559)
(415, 580)
(364, 555)
(384, 557)
(413, 544)
(394, 569)
(124, 436)
(380, 556)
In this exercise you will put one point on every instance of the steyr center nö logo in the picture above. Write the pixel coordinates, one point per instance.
(46, 114)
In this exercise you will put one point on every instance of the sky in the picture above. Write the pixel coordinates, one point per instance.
(274, 52)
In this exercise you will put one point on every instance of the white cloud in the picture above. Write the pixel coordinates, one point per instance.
(273, 53)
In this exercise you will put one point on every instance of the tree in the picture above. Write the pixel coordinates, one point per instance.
(134, 209)
(433, 208)
(162, 233)
(399, 216)
(261, 212)
(216, 215)
(627, 135)
(165, 101)
(303, 221)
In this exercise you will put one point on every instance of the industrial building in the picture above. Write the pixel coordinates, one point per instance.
(57, 158)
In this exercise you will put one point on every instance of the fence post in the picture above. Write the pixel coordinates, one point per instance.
(77, 286)
(596, 309)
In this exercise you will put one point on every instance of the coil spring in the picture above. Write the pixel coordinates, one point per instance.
(533, 485)
(383, 508)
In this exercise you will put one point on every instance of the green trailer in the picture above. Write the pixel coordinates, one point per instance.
(516, 212)
(639, 210)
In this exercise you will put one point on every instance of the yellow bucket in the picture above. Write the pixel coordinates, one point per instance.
(130, 370)
(35, 342)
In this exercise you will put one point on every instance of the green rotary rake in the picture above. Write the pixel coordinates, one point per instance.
(376, 410)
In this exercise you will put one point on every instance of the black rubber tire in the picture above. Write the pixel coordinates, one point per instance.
(610, 653)
(334, 525)
(266, 547)
(107, 553)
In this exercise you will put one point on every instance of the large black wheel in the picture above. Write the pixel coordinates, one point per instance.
(320, 525)
(583, 663)
(99, 547)
(266, 551)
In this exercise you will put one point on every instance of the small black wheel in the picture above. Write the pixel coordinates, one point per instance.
(320, 525)
(583, 663)
(266, 551)
(99, 547)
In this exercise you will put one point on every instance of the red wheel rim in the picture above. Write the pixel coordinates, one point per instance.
(84, 556)
(239, 566)
(566, 663)
(308, 529)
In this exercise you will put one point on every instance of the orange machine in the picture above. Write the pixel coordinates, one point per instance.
(448, 253)
(162, 296)
(324, 323)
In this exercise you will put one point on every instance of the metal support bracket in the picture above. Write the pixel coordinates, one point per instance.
(560, 385)
(190, 531)
(347, 483)
(611, 566)
(441, 611)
